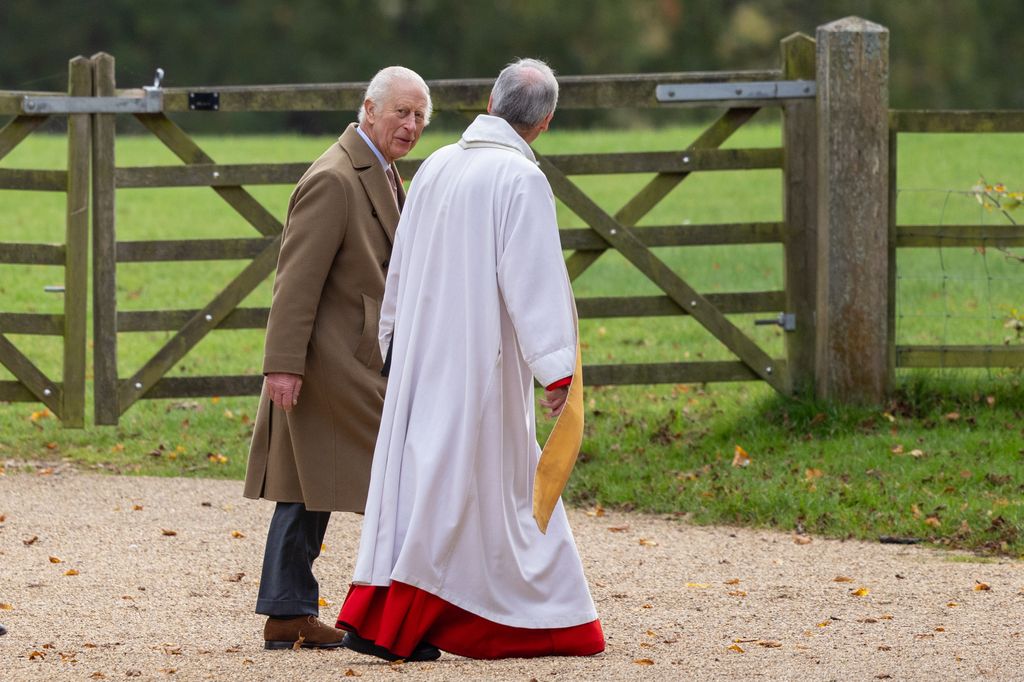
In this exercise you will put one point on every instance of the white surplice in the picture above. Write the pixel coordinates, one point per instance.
(479, 304)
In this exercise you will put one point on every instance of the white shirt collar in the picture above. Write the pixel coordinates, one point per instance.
(373, 147)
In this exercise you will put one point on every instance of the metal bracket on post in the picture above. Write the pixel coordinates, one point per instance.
(785, 320)
(747, 93)
(151, 102)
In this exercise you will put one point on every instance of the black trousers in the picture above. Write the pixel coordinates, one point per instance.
(287, 586)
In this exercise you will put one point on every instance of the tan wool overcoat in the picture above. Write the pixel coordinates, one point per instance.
(323, 325)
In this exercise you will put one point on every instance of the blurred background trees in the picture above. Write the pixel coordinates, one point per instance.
(944, 53)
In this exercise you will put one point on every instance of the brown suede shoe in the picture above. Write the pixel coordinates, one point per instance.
(283, 633)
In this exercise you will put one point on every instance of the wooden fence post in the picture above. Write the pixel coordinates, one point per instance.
(800, 195)
(853, 211)
(76, 264)
(104, 250)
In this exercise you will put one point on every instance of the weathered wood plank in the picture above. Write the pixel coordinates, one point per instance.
(32, 323)
(575, 92)
(212, 175)
(15, 392)
(162, 320)
(16, 130)
(198, 326)
(48, 392)
(670, 373)
(33, 180)
(31, 254)
(951, 121)
(624, 239)
(799, 210)
(853, 211)
(188, 151)
(658, 306)
(223, 175)
(104, 249)
(191, 250)
(959, 356)
(196, 387)
(76, 264)
(681, 235)
(950, 236)
(659, 187)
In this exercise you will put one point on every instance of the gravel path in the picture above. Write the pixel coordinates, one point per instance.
(157, 578)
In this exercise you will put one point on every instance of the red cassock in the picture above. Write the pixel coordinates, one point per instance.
(400, 616)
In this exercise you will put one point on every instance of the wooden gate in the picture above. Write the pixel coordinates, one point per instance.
(605, 231)
(66, 397)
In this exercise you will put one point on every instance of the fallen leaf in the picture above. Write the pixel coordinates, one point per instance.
(352, 673)
(168, 671)
(235, 577)
(824, 623)
(883, 647)
(940, 629)
(31, 540)
(4, 606)
(981, 587)
(3, 517)
(990, 400)
(168, 533)
(896, 449)
(861, 592)
(734, 581)
(802, 540)
(842, 579)
(952, 416)
(298, 643)
(136, 507)
(643, 661)
(769, 644)
(598, 510)
(740, 457)
(618, 529)
(811, 474)
(737, 648)
(648, 543)
(172, 650)
(647, 606)
(737, 593)
(98, 676)
(324, 602)
(917, 452)
(71, 571)
(698, 585)
(652, 633)
(237, 534)
(933, 521)
(56, 560)
(952, 605)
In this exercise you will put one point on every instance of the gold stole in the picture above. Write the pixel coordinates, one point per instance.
(560, 452)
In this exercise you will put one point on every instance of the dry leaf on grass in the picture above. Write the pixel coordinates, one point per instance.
(643, 661)
(802, 540)
(740, 457)
(598, 510)
(168, 532)
(842, 579)
(648, 543)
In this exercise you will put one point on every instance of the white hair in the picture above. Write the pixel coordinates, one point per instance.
(525, 93)
(383, 83)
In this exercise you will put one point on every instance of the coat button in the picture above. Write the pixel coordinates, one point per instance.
(385, 264)
(373, 213)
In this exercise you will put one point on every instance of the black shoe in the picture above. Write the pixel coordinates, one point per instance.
(422, 652)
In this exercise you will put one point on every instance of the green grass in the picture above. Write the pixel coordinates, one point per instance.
(669, 449)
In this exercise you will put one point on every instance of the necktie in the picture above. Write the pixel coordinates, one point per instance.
(391, 181)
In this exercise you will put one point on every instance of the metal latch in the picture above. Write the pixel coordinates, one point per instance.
(752, 90)
(785, 320)
(151, 102)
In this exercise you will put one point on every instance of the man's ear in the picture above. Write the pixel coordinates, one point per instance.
(490, 101)
(543, 125)
(370, 110)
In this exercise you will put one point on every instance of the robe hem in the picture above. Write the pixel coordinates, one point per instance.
(565, 621)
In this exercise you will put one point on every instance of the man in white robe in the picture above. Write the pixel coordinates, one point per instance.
(477, 305)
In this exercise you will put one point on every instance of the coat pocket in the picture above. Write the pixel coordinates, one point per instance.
(368, 350)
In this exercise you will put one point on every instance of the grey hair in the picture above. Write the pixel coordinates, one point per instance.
(381, 85)
(525, 93)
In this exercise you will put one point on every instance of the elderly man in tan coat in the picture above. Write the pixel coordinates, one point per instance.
(323, 392)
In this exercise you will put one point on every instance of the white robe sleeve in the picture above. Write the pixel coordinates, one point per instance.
(533, 281)
(386, 325)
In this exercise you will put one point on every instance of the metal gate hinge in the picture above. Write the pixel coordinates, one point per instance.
(785, 320)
